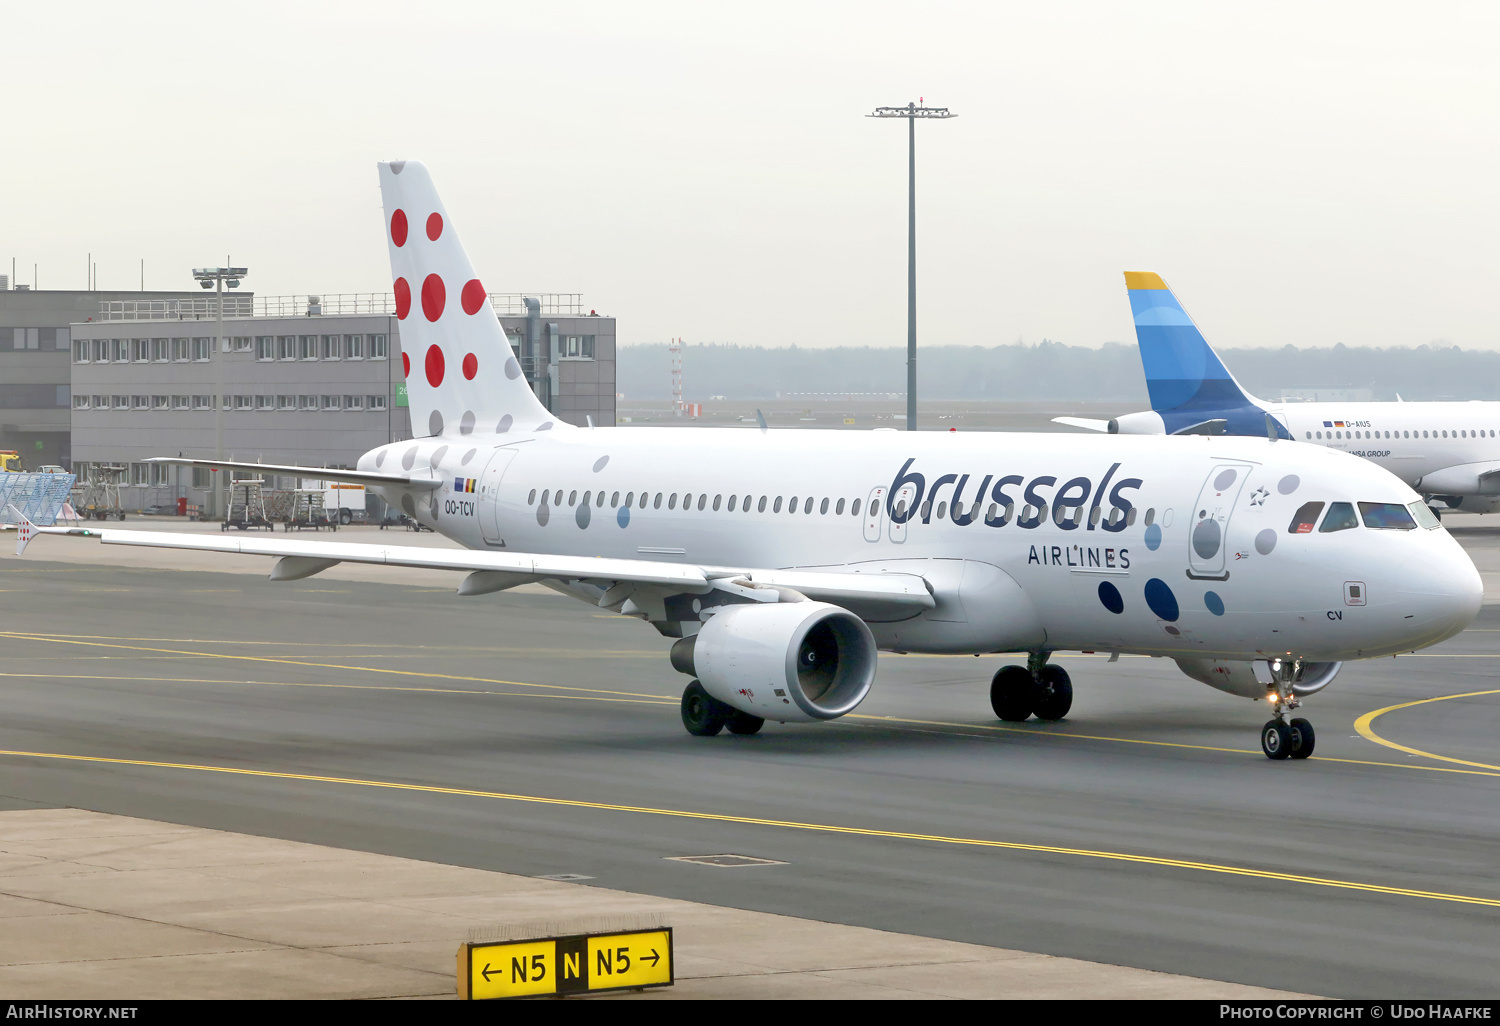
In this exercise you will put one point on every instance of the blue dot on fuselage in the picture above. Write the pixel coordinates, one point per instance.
(623, 517)
(1153, 537)
(1110, 596)
(1214, 603)
(1161, 600)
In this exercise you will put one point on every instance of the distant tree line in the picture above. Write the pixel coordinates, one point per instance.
(1048, 370)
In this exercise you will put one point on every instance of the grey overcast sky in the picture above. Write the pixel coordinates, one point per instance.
(1304, 173)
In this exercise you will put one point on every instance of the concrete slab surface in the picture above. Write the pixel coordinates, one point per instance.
(137, 910)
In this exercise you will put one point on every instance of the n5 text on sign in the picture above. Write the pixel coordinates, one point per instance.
(586, 963)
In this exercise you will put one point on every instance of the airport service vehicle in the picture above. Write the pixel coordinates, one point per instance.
(781, 562)
(1448, 451)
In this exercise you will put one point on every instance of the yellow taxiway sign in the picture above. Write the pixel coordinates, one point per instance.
(586, 963)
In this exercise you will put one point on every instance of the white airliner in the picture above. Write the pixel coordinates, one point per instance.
(1446, 450)
(784, 560)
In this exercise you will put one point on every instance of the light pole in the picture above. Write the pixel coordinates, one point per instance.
(911, 112)
(216, 278)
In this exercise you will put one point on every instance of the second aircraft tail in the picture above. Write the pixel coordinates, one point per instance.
(1187, 382)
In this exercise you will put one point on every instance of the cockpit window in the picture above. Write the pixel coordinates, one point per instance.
(1386, 516)
(1426, 518)
(1340, 518)
(1307, 516)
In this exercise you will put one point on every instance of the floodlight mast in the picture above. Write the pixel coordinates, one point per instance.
(911, 112)
(218, 277)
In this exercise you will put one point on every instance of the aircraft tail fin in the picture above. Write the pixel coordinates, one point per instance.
(461, 376)
(1182, 370)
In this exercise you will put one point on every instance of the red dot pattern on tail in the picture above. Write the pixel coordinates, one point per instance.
(471, 366)
(472, 296)
(398, 228)
(434, 297)
(405, 366)
(434, 226)
(403, 298)
(434, 366)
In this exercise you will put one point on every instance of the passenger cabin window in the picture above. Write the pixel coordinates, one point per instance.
(1340, 518)
(1386, 516)
(1302, 522)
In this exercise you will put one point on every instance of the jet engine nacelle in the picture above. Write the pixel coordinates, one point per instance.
(1251, 679)
(1147, 422)
(1472, 503)
(795, 662)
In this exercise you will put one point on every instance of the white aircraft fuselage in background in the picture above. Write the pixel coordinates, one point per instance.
(1257, 565)
(1448, 450)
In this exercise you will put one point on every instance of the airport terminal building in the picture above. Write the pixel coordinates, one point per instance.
(312, 381)
(35, 379)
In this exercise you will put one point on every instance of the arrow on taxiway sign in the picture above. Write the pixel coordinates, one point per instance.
(655, 958)
(485, 972)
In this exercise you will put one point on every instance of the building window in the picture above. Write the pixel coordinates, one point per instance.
(377, 347)
(330, 402)
(241, 343)
(307, 402)
(265, 402)
(244, 402)
(202, 402)
(576, 347)
(161, 350)
(286, 402)
(202, 349)
(140, 402)
(80, 402)
(140, 350)
(286, 347)
(330, 347)
(265, 347)
(140, 474)
(99, 402)
(182, 350)
(180, 402)
(307, 347)
(161, 402)
(161, 474)
(119, 350)
(120, 402)
(354, 402)
(200, 477)
(354, 347)
(375, 402)
(81, 351)
(27, 338)
(99, 347)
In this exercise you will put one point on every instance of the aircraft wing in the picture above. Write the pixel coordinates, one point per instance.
(424, 481)
(1086, 423)
(620, 580)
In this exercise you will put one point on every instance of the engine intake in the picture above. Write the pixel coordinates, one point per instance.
(795, 662)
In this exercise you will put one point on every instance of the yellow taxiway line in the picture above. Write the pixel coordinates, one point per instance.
(787, 824)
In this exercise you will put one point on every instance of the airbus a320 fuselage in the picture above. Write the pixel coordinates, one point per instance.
(782, 561)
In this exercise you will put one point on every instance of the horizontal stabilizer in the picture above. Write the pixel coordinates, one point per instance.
(1087, 423)
(426, 482)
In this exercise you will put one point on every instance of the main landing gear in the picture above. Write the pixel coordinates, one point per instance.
(1038, 688)
(1281, 739)
(704, 715)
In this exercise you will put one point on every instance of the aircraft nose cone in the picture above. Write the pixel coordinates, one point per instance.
(1442, 592)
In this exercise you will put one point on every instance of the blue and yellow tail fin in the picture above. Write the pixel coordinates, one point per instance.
(1182, 371)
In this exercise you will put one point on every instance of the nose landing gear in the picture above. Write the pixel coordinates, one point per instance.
(1278, 738)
